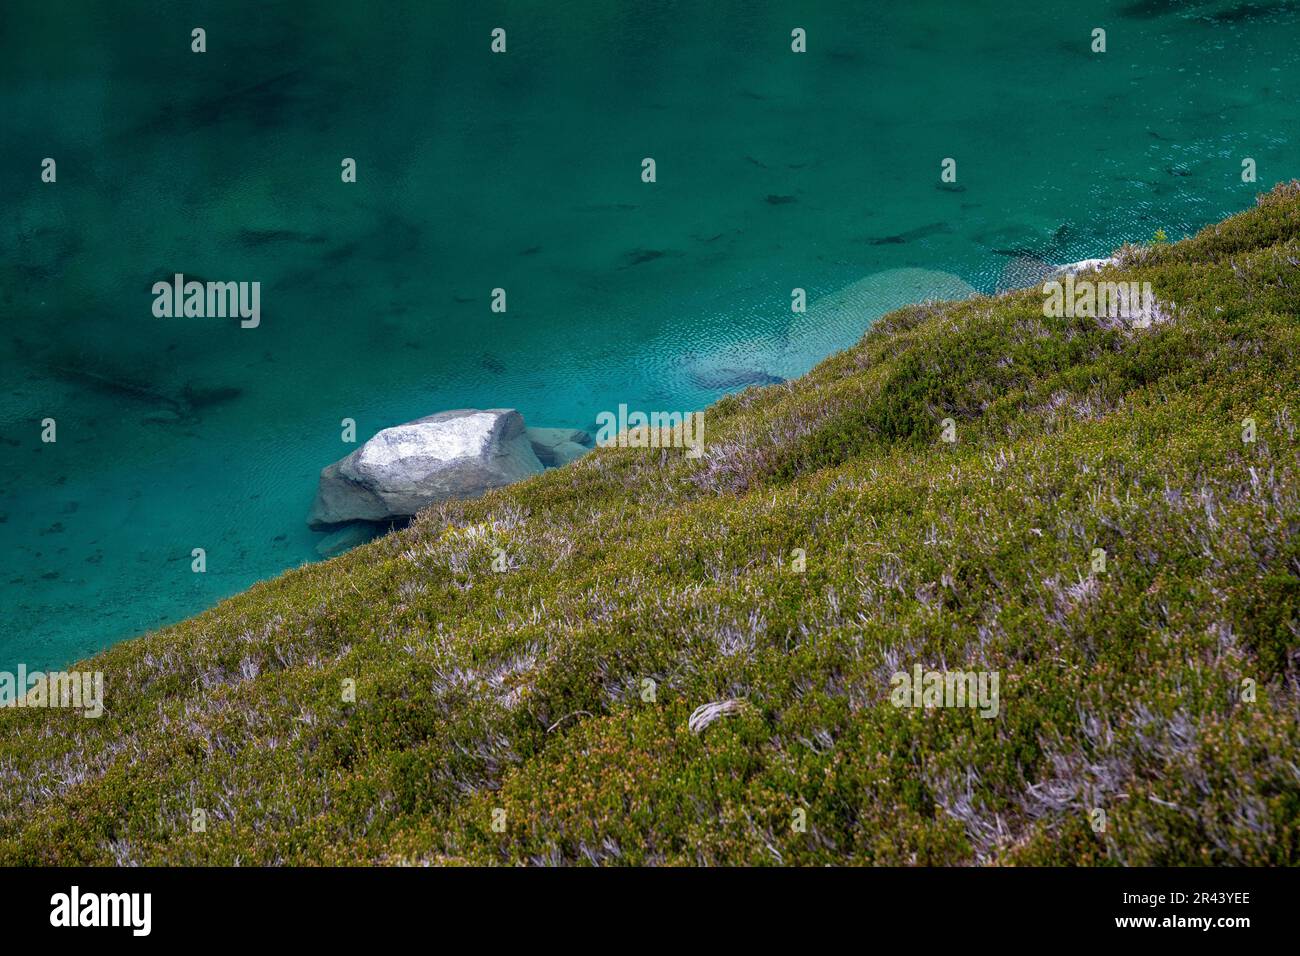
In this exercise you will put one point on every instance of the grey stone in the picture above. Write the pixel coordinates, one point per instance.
(455, 454)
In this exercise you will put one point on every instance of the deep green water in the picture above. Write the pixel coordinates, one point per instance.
(522, 171)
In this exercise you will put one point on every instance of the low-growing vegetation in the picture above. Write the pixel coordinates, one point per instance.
(828, 538)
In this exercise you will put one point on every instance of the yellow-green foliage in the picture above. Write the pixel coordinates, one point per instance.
(520, 698)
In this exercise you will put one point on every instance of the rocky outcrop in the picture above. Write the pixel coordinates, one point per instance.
(456, 454)
(1084, 265)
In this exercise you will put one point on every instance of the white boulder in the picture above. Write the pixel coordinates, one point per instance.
(456, 454)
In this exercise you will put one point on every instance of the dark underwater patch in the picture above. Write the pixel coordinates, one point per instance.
(902, 238)
(254, 238)
(638, 256)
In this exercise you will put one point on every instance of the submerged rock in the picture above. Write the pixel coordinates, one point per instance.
(455, 454)
(559, 446)
(1023, 272)
(348, 537)
(712, 378)
(838, 319)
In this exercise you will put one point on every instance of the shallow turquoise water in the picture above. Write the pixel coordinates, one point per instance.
(522, 171)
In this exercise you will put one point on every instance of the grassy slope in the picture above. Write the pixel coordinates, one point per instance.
(521, 690)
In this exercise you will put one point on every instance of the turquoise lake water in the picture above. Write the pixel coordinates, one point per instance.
(522, 171)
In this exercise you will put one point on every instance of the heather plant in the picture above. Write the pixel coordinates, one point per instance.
(649, 677)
